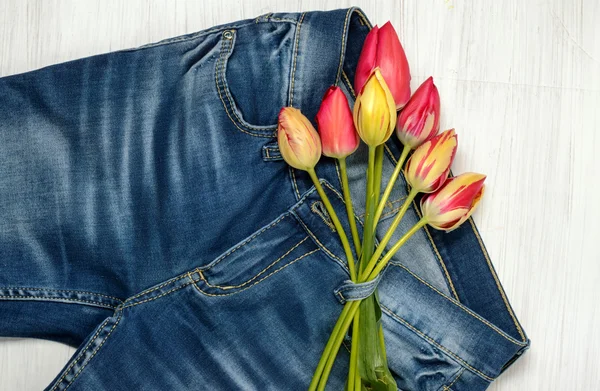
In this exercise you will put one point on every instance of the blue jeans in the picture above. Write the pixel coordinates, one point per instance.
(147, 217)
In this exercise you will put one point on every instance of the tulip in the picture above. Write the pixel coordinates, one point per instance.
(429, 166)
(336, 127)
(419, 121)
(298, 140)
(382, 49)
(374, 111)
(454, 202)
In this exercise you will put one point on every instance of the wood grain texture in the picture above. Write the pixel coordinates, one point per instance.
(519, 80)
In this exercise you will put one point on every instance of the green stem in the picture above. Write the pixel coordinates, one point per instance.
(367, 245)
(357, 379)
(336, 223)
(349, 208)
(339, 338)
(375, 272)
(327, 351)
(390, 185)
(378, 171)
(354, 354)
(388, 235)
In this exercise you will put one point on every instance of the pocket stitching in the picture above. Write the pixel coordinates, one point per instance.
(227, 287)
(458, 375)
(244, 242)
(255, 283)
(227, 45)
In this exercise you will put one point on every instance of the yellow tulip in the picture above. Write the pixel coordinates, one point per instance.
(375, 111)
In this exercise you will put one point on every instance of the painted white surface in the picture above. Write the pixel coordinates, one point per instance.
(519, 80)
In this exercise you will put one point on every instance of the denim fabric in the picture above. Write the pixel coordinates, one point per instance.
(147, 217)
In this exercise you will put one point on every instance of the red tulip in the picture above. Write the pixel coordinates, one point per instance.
(419, 121)
(382, 49)
(336, 127)
(454, 202)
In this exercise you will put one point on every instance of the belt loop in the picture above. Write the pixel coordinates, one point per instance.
(351, 291)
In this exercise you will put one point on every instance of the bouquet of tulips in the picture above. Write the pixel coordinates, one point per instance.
(383, 81)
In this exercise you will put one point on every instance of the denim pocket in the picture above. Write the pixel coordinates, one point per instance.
(252, 74)
(260, 256)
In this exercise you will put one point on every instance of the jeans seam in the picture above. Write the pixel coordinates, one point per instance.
(294, 183)
(294, 59)
(227, 287)
(498, 285)
(247, 287)
(456, 377)
(323, 247)
(460, 306)
(145, 292)
(159, 296)
(436, 344)
(245, 242)
(102, 325)
(60, 290)
(348, 84)
(57, 299)
(95, 351)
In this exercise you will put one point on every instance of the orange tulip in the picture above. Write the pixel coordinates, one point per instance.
(299, 142)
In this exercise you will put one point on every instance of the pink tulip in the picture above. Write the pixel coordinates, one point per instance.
(336, 127)
(419, 121)
(429, 166)
(454, 202)
(299, 142)
(382, 49)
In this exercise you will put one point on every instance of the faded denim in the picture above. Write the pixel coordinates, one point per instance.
(147, 217)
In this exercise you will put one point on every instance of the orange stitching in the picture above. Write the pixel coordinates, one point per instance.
(95, 351)
(449, 387)
(293, 75)
(462, 307)
(250, 286)
(433, 342)
(226, 287)
(498, 285)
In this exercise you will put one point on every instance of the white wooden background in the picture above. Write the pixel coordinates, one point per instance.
(519, 80)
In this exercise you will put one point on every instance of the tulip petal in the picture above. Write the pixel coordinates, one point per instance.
(366, 61)
(454, 202)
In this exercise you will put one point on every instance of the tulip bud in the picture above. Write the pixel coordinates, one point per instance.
(419, 121)
(374, 111)
(382, 49)
(454, 202)
(336, 127)
(429, 166)
(299, 142)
